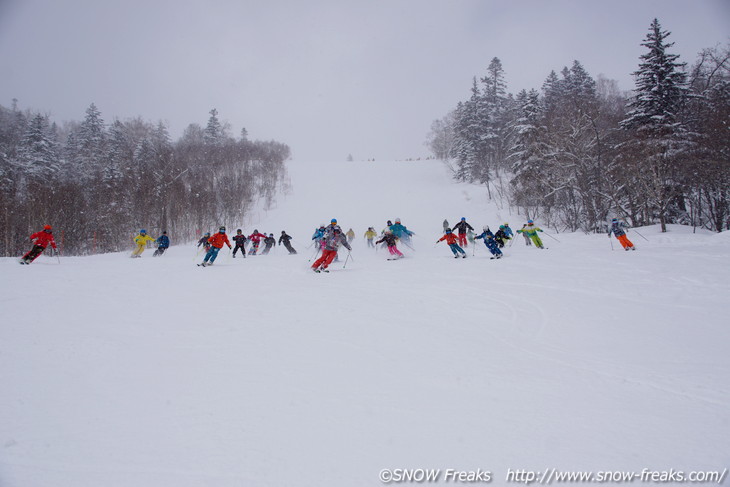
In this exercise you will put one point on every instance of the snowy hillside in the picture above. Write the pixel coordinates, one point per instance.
(259, 372)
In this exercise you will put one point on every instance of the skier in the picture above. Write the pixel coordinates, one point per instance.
(240, 240)
(204, 241)
(141, 241)
(329, 229)
(216, 244)
(269, 242)
(390, 240)
(523, 231)
(619, 229)
(163, 242)
(453, 245)
(255, 239)
(531, 231)
(401, 232)
(507, 230)
(40, 240)
(350, 235)
(490, 242)
(501, 236)
(462, 226)
(287, 242)
(446, 225)
(332, 243)
(318, 236)
(370, 235)
(470, 236)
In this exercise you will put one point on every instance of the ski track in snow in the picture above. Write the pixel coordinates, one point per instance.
(257, 371)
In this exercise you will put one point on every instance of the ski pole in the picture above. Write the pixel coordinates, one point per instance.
(348, 258)
(640, 235)
(610, 240)
(551, 236)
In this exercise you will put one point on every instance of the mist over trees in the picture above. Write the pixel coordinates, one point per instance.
(578, 151)
(97, 184)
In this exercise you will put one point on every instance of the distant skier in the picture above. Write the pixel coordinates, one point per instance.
(453, 243)
(490, 242)
(255, 239)
(332, 244)
(287, 242)
(163, 243)
(470, 236)
(350, 235)
(216, 244)
(204, 242)
(141, 242)
(390, 240)
(40, 240)
(269, 242)
(240, 240)
(370, 235)
(531, 231)
(462, 227)
(619, 229)
(446, 225)
(501, 236)
(523, 231)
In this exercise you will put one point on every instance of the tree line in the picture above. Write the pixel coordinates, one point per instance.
(579, 151)
(98, 184)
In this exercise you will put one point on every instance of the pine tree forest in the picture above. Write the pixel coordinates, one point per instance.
(578, 151)
(98, 184)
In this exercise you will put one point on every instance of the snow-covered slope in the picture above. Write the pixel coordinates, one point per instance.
(156, 372)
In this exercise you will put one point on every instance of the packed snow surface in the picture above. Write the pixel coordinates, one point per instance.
(258, 372)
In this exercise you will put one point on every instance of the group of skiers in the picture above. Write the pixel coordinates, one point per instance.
(209, 243)
(329, 238)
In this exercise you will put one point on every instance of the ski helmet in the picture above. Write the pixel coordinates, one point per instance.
(486, 228)
(222, 229)
(143, 231)
(448, 230)
(333, 221)
(463, 219)
(336, 230)
(529, 222)
(389, 223)
(164, 232)
(501, 227)
(239, 231)
(46, 227)
(271, 235)
(207, 234)
(397, 220)
(283, 232)
(255, 231)
(506, 224)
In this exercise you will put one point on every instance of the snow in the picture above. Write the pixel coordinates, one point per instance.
(257, 371)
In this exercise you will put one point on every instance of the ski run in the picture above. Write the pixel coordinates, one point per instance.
(141, 372)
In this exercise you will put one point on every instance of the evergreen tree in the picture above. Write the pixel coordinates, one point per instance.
(654, 119)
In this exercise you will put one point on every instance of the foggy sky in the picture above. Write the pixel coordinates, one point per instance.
(328, 78)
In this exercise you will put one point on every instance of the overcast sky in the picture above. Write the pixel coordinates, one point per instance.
(327, 77)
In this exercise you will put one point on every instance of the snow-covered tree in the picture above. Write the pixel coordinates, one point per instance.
(654, 119)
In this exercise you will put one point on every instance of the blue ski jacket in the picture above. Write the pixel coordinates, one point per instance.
(163, 241)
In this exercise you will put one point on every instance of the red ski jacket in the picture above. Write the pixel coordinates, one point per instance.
(43, 238)
(219, 239)
(450, 238)
(256, 237)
